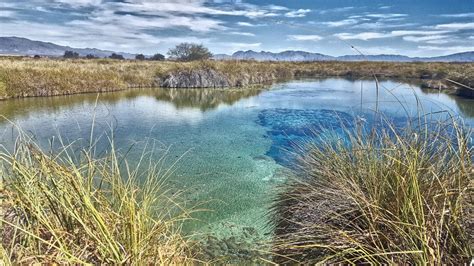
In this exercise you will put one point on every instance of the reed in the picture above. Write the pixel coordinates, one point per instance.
(382, 195)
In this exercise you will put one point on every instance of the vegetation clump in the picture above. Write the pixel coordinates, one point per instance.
(189, 52)
(140, 57)
(91, 56)
(381, 196)
(157, 57)
(71, 55)
(116, 56)
(61, 208)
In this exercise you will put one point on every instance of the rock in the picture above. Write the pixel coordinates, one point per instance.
(200, 78)
(210, 78)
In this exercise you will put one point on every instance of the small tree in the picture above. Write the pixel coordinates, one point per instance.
(189, 52)
(71, 54)
(140, 57)
(36, 56)
(158, 57)
(91, 56)
(116, 56)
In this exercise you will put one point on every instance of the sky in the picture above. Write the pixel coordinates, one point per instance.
(413, 28)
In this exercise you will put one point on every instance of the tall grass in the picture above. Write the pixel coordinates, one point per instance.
(65, 208)
(26, 77)
(383, 195)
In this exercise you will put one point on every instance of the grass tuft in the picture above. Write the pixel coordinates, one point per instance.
(385, 196)
(61, 208)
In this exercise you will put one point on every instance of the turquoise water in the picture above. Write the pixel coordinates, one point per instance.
(230, 144)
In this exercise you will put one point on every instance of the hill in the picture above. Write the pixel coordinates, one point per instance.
(23, 46)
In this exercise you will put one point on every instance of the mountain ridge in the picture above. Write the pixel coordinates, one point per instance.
(291, 55)
(23, 46)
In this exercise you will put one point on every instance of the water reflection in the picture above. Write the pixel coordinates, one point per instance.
(203, 99)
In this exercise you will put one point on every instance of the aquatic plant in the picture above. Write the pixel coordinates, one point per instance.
(71, 207)
(381, 194)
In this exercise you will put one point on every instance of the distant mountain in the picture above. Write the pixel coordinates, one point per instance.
(23, 46)
(307, 56)
(381, 57)
(282, 56)
(222, 57)
(459, 57)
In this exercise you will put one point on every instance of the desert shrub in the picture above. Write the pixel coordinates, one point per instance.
(157, 57)
(71, 55)
(116, 56)
(140, 57)
(189, 52)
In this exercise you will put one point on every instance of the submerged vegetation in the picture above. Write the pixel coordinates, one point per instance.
(381, 196)
(65, 207)
(26, 77)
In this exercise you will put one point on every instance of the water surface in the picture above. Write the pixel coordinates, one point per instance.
(233, 141)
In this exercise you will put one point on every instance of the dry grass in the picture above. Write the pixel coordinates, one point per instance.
(385, 195)
(67, 208)
(23, 77)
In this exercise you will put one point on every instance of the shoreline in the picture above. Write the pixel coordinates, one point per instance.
(22, 78)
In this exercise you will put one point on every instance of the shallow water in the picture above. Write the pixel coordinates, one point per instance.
(231, 144)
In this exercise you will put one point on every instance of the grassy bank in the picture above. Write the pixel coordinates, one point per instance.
(26, 77)
(381, 196)
(70, 208)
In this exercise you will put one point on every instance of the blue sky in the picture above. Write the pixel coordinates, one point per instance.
(414, 28)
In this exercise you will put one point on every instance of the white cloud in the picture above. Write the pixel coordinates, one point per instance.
(417, 32)
(411, 35)
(79, 3)
(361, 36)
(245, 24)
(7, 13)
(297, 13)
(340, 23)
(459, 15)
(382, 25)
(158, 8)
(304, 37)
(336, 10)
(456, 26)
(135, 23)
(277, 8)
(241, 33)
(440, 41)
(386, 15)
(424, 38)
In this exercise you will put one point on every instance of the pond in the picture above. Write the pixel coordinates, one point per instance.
(228, 145)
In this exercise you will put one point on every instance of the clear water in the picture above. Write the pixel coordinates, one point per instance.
(232, 140)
